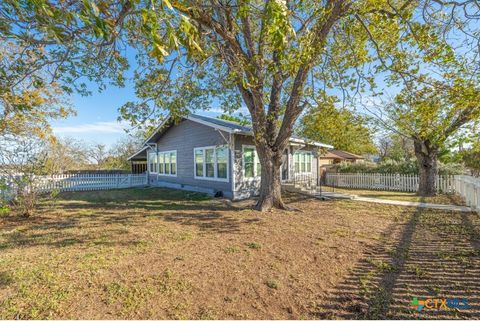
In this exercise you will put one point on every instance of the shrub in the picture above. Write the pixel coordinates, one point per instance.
(388, 166)
(4, 210)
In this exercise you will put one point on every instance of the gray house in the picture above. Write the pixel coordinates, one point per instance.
(217, 157)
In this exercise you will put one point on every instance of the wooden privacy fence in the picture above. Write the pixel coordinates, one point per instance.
(77, 182)
(386, 182)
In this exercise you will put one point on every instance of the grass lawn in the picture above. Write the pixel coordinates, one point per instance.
(401, 196)
(158, 253)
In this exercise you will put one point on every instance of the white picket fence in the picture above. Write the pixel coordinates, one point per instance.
(385, 182)
(79, 182)
(469, 188)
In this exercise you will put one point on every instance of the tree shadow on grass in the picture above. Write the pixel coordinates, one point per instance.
(432, 255)
(86, 218)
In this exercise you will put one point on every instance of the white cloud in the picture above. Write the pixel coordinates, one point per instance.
(111, 127)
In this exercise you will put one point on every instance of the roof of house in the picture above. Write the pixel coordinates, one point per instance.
(330, 155)
(224, 125)
(341, 154)
(141, 154)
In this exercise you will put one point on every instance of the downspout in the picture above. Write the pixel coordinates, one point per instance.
(148, 160)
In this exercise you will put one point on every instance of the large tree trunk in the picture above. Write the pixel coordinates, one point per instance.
(271, 187)
(427, 163)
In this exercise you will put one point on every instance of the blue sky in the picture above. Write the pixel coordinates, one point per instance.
(96, 119)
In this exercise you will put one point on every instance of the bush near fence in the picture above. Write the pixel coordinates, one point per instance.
(409, 167)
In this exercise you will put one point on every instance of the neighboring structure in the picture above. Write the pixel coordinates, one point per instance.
(338, 156)
(217, 157)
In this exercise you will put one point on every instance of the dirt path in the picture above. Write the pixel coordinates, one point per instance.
(445, 207)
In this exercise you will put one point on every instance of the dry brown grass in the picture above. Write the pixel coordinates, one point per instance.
(157, 253)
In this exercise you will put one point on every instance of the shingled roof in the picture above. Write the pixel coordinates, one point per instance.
(224, 125)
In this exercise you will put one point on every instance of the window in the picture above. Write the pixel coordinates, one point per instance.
(173, 163)
(296, 160)
(199, 162)
(161, 161)
(167, 163)
(302, 162)
(251, 162)
(152, 157)
(222, 162)
(211, 163)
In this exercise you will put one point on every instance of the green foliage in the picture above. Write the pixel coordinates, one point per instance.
(471, 158)
(390, 166)
(49, 50)
(27, 102)
(437, 113)
(272, 284)
(254, 246)
(4, 210)
(338, 127)
(396, 147)
(241, 120)
(271, 57)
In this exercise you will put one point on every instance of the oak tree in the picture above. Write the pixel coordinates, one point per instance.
(268, 56)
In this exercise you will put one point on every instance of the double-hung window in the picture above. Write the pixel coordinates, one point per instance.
(167, 163)
(303, 161)
(152, 161)
(251, 162)
(211, 163)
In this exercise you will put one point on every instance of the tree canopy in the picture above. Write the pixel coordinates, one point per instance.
(339, 127)
(271, 57)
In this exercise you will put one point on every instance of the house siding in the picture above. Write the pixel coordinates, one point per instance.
(184, 137)
(244, 188)
(247, 187)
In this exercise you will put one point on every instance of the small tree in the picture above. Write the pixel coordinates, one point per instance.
(338, 127)
(395, 146)
(99, 154)
(122, 149)
(65, 154)
(471, 156)
(432, 116)
(22, 159)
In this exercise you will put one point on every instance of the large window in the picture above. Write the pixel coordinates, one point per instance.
(211, 163)
(303, 161)
(251, 162)
(167, 163)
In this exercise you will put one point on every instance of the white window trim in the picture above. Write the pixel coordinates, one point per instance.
(255, 157)
(176, 163)
(300, 163)
(215, 170)
(149, 162)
